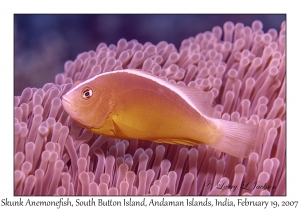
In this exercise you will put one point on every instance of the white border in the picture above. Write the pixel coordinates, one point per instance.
(8, 8)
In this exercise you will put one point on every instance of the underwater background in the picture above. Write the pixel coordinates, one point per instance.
(43, 43)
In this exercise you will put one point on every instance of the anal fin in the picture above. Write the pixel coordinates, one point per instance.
(186, 142)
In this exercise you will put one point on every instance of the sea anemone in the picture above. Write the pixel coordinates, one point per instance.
(242, 66)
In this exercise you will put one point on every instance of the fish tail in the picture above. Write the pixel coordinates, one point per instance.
(237, 139)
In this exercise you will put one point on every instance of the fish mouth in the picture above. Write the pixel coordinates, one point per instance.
(67, 104)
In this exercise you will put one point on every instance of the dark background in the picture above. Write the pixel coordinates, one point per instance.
(43, 43)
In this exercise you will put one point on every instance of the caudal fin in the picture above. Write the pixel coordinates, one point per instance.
(237, 139)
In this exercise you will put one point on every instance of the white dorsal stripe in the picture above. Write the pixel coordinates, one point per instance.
(148, 76)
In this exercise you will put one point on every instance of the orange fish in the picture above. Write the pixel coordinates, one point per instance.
(132, 104)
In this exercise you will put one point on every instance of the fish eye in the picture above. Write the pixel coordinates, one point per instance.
(87, 93)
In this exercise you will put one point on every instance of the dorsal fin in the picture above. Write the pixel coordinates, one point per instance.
(199, 99)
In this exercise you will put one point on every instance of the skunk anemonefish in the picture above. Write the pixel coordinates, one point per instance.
(132, 104)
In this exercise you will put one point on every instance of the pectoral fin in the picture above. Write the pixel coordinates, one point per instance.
(124, 131)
